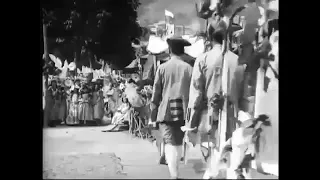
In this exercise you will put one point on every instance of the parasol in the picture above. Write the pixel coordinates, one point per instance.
(156, 45)
(72, 66)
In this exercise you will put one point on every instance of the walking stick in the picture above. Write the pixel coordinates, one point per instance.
(185, 136)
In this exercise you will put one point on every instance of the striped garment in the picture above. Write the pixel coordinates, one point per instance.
(176, 109)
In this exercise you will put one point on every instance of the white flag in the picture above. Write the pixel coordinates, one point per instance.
(169, 17)
(168, 13)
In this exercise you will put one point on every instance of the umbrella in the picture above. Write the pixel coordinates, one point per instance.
(156, 45)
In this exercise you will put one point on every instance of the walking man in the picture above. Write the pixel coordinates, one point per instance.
(169, 102)
(209, 77)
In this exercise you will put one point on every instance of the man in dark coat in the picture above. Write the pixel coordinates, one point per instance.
(169, 101)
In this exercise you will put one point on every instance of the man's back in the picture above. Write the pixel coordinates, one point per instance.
(208, 72)
(172, 82)
(206, 78)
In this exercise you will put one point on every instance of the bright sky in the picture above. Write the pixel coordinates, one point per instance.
(152, 11)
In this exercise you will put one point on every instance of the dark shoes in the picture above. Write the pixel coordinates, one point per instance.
(162, 160)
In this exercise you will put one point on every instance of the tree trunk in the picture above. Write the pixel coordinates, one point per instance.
(90, 62)
(45, 49)
(75, 62)
(46, 83)
(77, 52)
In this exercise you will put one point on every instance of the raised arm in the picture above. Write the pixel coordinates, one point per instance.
(156, 96)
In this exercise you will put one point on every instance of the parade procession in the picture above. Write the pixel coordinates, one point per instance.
(213, 90)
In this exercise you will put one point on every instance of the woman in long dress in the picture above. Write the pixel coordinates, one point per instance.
(54, 111)
(73, 108)
(68, 102)
(86, 110)
(98, 104)
(63, 105)
(122, 112)
(49, 102)
(111, 103)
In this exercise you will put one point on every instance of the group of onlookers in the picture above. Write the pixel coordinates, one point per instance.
(75, 101)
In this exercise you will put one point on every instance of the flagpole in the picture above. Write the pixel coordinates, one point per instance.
(75, 62)
(165, 25)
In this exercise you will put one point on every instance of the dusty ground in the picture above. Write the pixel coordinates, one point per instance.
(86, 153)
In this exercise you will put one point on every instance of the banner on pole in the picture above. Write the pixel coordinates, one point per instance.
(169, 18)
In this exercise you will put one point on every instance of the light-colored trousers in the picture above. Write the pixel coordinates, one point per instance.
(173, 155)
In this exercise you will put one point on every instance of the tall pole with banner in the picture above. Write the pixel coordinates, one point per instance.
(169, 24)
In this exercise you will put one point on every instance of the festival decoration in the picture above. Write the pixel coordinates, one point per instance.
(72, 66)
(56, 60)
(64, 70)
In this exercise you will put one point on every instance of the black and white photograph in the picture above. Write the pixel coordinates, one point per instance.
(160, 89)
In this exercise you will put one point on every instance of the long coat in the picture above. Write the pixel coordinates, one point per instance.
(206, 81)
(172, 81)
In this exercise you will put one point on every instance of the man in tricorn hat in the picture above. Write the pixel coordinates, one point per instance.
(169, 102)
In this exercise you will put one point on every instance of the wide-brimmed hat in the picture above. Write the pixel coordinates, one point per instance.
(178, 40)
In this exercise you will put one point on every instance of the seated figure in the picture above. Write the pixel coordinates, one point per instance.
(122, 112)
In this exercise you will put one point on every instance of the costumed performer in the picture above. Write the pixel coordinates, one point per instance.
(169, 102)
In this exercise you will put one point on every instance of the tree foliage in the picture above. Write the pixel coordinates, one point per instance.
(94, 28)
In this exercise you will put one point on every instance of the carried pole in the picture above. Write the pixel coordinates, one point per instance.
(225, 114)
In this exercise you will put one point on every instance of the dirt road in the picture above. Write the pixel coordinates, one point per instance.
(86, 153)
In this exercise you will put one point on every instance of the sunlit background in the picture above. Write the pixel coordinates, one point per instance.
(152, 12)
